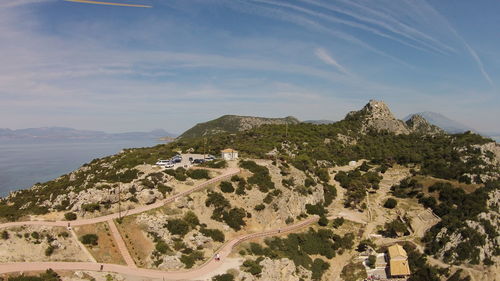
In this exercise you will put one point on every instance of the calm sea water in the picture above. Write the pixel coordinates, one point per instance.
(24, 164)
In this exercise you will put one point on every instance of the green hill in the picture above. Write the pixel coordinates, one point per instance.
(234, 124)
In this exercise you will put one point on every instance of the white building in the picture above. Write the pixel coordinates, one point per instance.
(229, 154)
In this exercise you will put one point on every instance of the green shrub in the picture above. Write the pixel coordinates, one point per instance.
(226, 187)
(235, 218)
(178, 227)
(89, 239)
(91, 207)
(70, 216)
(5, 235)
(215, 234)
(261, 177)
(390, 203)
(252, 267)
(223, 277)
(371, 261)
(198, 174)
(162, 247)
(318, 268)
(164, 188)
(191, 219)
(35, 235)
(49, 251)
(259, 207)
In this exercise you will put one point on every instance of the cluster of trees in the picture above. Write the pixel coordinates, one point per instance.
(299, 246)
(456, 207)
(223, 211)
(90, 239)
(48, 275)
(357, 184)
(260, 178)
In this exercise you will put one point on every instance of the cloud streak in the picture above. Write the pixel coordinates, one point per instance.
(323, 55)
(109, 3)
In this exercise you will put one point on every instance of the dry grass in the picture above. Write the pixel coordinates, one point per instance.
(138, 244)
(106, 251)
(427, 181)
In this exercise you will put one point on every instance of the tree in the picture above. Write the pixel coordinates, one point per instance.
(223, 277)
(191, 219)
(70, 216)
(372, 259)
(89, 239)
(390, 203)
(178, 227)
(338, 222)
(49, 251)
(259, 207)
(226, 187)
(5, 235)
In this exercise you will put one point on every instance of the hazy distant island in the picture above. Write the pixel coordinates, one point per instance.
(63, 133)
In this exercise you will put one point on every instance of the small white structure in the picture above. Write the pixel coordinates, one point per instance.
(352, 163)
(229, 154)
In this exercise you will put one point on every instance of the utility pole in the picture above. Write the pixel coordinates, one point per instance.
(119, 201)
(204, 146)
(286, 131)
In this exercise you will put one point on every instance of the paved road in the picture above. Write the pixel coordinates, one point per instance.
(206, 268)
(227, 174)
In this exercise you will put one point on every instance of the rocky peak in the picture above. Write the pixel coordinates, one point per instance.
(376, 115)
(419, 124)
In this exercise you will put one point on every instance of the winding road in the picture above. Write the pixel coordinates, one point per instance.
(131, 268)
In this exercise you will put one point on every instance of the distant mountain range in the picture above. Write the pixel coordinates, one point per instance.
(62, 133)
(445, 123)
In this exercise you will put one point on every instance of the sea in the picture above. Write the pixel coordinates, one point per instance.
(26, 162)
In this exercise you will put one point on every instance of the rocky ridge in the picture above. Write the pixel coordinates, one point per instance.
(234, 124)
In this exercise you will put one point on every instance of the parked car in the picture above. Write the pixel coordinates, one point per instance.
(198, 161)
(176, 160)
(210, 158)
(191, 159)
(165, 163)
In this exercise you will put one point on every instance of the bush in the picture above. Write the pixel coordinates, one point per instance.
(226, 187)
(198, 174)
(49, 251)
(234, 218)
(91, 207)
(178, 227)
(89, 239)
(215, 234)
(259, 207)
(5, 235)
(318, 268)
(70, 216)
(252, 267)
(338, 222)
(223, 277)
(372, 259)
(162, 247)
(191, 219)
(390, 203)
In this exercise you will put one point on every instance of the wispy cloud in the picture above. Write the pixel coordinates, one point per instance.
(323, 55)
(109, 3)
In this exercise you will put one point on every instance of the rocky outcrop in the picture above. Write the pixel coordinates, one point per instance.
(376, 115)
(419, 124)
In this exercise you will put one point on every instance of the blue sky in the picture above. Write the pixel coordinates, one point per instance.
(182, 62)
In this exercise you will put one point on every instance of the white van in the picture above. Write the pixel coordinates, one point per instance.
(165, 163)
